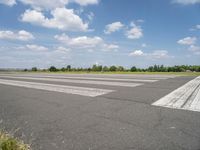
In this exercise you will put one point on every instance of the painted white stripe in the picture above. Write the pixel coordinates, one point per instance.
(121, 76)
(126, 84)
(185, 97)
(91, 92)
(91, 78)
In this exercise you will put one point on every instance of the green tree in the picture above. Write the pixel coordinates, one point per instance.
(68, 68)
(133, 69)
(94, 68)
(34, 69)
(97, 68)
(52, 69)
(63, 69)
(120, 68)
(113, 68)
(105, 68)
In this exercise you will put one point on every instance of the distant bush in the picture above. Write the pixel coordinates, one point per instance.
(34, 69)
(133, 69)
(113, 68)
(52, 69)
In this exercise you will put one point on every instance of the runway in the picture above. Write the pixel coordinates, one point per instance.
(101, 112)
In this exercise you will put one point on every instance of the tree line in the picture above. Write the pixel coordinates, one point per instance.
(100, 68)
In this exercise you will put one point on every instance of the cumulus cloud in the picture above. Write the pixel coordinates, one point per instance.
(135, 32)
(157, 54)
(42, 49)
(136, 53)
(8, 2)
(187, 41)
(80, 42)
(35, 47)
(45, 4)
(62, 19)
(35, 55)
(186, 2)
(21, 35)
(144, 45)
(113, 27)
(194, 49)
(61, 49)
(198, 26)
(86, 2)
(111, 46)
(49, 4)
(85, 42)
(90, 16)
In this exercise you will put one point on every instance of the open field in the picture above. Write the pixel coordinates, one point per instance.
(58, 111)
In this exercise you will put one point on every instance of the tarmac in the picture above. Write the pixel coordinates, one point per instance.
(101, 112)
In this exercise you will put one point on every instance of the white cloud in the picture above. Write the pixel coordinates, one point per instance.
(8, 2)
(157, 54)
(63, 19)
(198, 26)
(113, 27)
(110, 47)
(49, 4)
(61, 49)
(135, 32)
(187, 41)
(45, 4)
(80, 42)
(90, 16)
(34, 47)
(85, 42)
(186, 2)
(194, 49)
(144, 45)
(21, 35)
(35, 55)
(136, 53)
(140, 21)
(86, 2)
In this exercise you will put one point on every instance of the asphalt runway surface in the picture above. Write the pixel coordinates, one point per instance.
(101, 112)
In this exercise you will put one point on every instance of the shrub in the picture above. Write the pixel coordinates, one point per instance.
(7, 142)
(52, 69)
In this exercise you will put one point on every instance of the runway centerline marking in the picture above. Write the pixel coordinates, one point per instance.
(95, 78)
(185, 97)
(83, 91)
(125, 84)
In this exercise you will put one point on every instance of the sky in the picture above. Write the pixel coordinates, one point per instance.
(141, 33)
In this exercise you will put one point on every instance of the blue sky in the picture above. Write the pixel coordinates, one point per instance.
(106, 32)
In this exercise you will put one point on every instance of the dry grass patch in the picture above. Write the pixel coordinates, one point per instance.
(7, 142)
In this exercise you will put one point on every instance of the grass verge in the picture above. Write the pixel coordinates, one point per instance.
(7, 142)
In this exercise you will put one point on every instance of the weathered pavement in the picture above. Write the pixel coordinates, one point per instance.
(99, 112)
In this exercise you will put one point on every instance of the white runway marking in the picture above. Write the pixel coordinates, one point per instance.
(126, 84)
(91, 92)
(186, 97)
(90, 78)
(112, 76)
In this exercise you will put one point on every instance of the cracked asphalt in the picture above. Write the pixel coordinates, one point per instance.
(120, 120)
